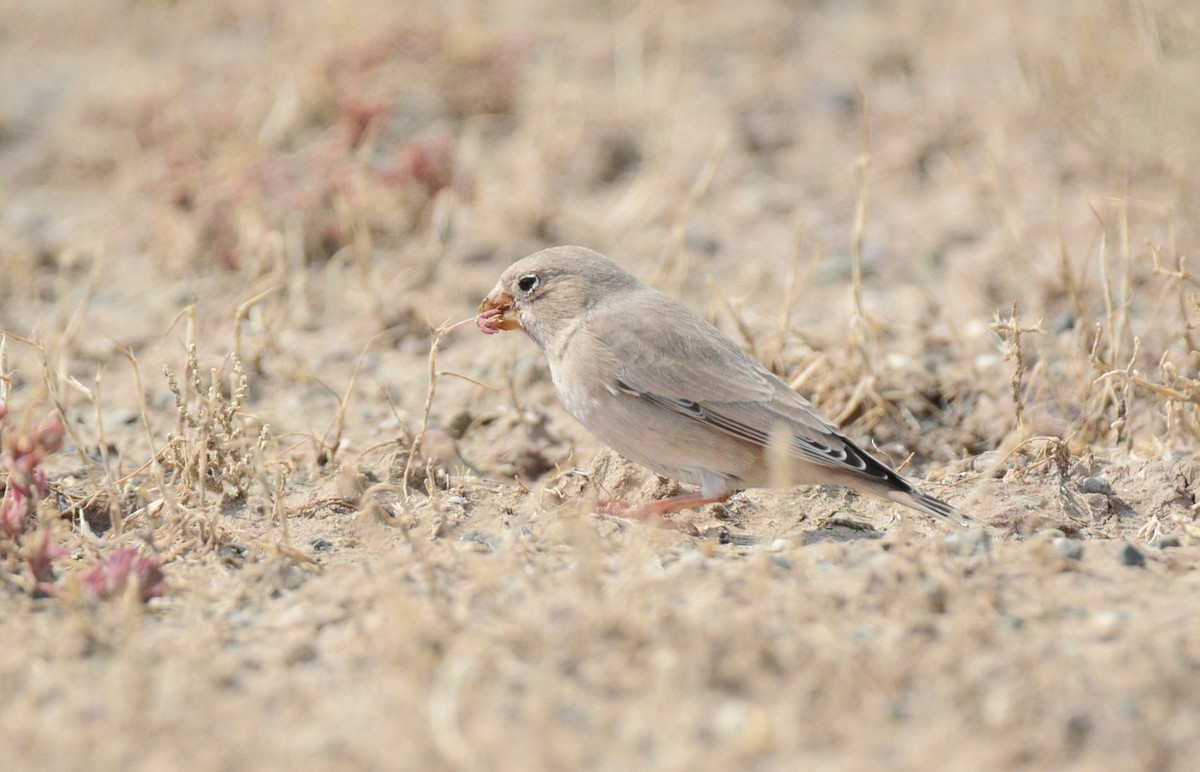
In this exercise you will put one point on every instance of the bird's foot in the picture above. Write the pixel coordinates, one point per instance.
(624, 510)
(654, 512)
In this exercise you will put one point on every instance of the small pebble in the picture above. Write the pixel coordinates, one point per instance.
(111, 419)
(1163, 542)
(953, 543)
(300, 653)
(739, 539)
(935, 597)
(293, 578)
(981, 544)
(1012, 622)
(1131, 556)
(480, 542)
(459, 424)
(1108, 624)
(1096, 485)
(1064, 322)
(321, 545)
(991, 463)
(1068, 549)
(967, 543)
(1050, 534)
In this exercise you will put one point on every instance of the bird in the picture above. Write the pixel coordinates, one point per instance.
(666, 389)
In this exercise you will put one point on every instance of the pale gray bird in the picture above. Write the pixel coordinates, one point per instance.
(666, 389)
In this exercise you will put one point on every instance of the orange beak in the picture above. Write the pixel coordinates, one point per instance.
(496, 312)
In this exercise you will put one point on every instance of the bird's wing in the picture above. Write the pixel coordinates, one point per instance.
(659, 346)
(676, 360)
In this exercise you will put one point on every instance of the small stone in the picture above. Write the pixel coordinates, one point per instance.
(1050, 534)
(935, 597)
(479, 542)
(1163, 542)
(1068, 549)
(1131, 556)
(991, 463)
(1064, 322)
(953, 543)
(781, 561)
(459, 424)
(111, 419)
(739, 539)
(1096, 485)
(321, 545)
(780, 545)
(981, 544)
(301, 653)
(1107, 625)
(292, 578)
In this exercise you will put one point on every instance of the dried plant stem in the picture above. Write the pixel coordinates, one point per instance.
(5, 378)
(1110, 306)
(339, 418)
(243, 313)
(415, 449)
(1129, 377)
(93, 396)
(860, 333)
(52, 388)
(739, 319)
(277, 494)
(1010, 331)
(792, 287)
(671, 263)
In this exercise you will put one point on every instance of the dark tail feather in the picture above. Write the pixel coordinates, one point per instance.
(931, 506)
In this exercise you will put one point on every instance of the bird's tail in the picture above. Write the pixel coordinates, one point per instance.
(930, 506)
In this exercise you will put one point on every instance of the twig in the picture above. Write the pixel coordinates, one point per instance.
(1010, 331)
(339, 418)
(419, 440)
(670, 262)
(859, 328)
(168, 495)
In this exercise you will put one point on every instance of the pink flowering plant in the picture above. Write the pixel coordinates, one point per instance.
(22, 537)
(125, 572)
(22, 455)
(28, 547)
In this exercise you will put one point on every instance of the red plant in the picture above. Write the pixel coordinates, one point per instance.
(122, 568)
(40, 554)
(23, 453)
(427, 161)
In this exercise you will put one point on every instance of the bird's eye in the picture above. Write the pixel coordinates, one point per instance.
(528, 283)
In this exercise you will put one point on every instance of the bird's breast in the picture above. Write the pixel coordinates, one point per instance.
(576, 397)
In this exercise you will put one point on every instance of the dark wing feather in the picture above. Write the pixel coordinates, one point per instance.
(827, 448)
(677, 361)
(681, 362)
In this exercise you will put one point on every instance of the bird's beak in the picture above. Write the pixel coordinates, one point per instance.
(496, 312)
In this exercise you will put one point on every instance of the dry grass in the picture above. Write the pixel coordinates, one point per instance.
(965, 233)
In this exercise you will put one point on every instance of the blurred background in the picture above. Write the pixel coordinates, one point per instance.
(384, 164)
(961, 227)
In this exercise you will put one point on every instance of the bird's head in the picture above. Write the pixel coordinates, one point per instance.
(546, 292)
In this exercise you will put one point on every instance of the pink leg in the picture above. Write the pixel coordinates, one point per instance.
(653, 511)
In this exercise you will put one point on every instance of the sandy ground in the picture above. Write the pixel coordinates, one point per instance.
(961, 228)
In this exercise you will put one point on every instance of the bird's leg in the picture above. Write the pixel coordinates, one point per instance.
(653, 512)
